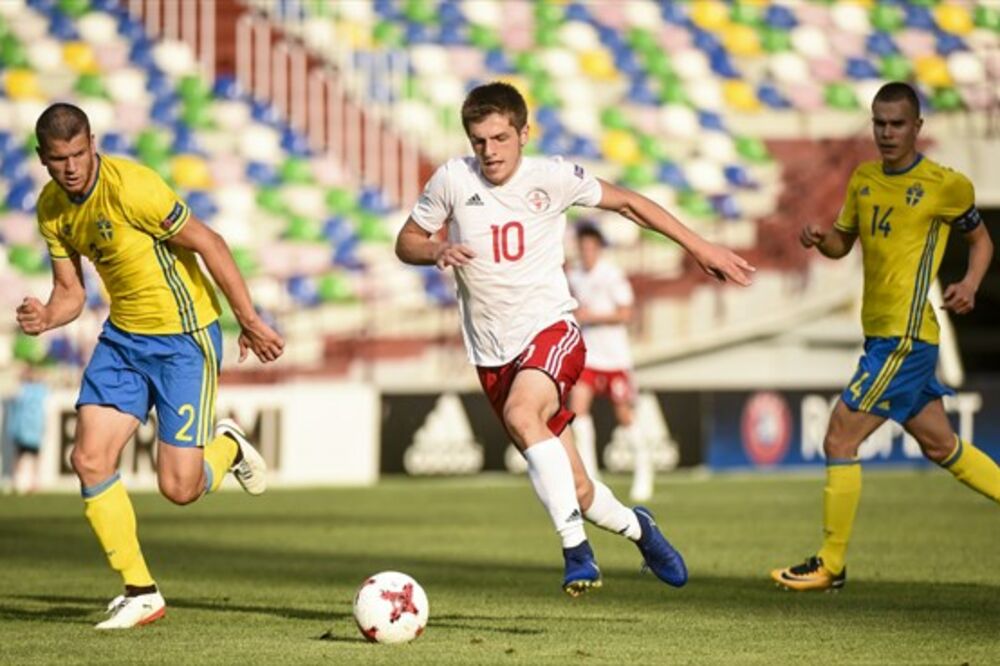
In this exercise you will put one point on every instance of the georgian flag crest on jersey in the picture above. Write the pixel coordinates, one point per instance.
(538, 200)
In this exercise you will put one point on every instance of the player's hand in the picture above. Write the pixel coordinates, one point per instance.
(811, 236)
(583, 315)
(959, 298)
(451, 254)
(262, 340)
(32, 316)
(724, 265)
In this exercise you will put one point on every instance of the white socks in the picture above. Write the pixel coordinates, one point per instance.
(552, 477)
(586, 444)
(642, 478)
(610, 514)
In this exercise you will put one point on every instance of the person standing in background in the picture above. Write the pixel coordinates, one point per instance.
(605, 297)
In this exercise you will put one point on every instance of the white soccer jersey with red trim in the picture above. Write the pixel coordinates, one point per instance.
(602, 290)
(515, 286)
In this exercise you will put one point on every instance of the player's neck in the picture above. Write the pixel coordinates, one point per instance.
(901, 165)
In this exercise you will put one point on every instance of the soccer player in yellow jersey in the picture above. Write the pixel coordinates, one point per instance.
(902, 208)
(160, 348)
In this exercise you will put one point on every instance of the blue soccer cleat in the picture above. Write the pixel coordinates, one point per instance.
(661, 558)
(582, 573)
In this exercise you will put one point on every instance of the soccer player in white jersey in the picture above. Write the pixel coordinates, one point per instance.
(605, 297)
(505, 216)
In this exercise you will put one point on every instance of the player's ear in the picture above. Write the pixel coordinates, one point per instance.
(522, 136)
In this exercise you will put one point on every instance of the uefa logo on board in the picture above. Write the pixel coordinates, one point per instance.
(766, 428)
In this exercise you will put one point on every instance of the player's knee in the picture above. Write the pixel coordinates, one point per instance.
(180, 492)
(520, 420)
(937, 449)
(835, 445)
(89, 465)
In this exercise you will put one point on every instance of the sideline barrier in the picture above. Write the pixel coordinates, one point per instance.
(310, 434)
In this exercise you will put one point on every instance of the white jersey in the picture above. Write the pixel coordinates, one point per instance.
(515, 286)
(602, 290)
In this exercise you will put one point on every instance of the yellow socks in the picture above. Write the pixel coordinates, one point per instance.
(219, 456)
(974, 468)
(110, 513)
(840, 504)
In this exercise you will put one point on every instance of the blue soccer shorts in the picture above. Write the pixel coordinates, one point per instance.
(895, 379)
(178, 374)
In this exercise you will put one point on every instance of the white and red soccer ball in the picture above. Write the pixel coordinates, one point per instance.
(390, 607)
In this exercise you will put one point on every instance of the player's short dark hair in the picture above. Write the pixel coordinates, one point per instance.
(588, 229)
(896, 91)
(495, 97)
(62, 122)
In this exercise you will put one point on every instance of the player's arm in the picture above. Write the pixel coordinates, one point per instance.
(715, 260)
(621, 315)
(415, 245)
(255, 335)
(960, 297)
(65, 302)
(834, 243)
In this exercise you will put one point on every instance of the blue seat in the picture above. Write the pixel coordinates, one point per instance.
(880, 44)
(860, 69)
(672, 175)
(780, 16)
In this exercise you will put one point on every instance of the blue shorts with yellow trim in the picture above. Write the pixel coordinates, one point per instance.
(178, 374)
(895, 379)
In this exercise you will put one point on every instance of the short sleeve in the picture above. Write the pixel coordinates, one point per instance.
(958, 202)
(579, 187)
(433, 208)
(847, 220)
(58, 249)
(48, 227)
(151, 205)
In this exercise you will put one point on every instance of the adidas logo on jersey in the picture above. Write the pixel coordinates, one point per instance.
(883, 405)
(864, 191)
(474, 200)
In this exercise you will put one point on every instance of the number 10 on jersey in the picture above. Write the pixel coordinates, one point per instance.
(508, 241)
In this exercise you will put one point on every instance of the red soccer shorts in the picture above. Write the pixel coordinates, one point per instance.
(559, 352)
(617, 385)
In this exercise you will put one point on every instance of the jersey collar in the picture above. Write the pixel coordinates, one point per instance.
(86, 195)
(900, 172)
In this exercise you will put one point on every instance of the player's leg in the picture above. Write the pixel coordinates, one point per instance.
(195, 453)
(581, 399)
(939, 443)
(841, 495)
(602, 508)
(114, 399)
(101, 434)
(623, 400)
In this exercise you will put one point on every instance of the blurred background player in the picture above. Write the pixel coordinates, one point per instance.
(605, 297)
(506, 222)
(24, 422)
(902, 208)
(160, 346)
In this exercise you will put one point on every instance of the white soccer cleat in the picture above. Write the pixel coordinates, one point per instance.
(128, 612)
(251, 471)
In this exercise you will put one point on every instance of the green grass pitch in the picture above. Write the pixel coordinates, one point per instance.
(270, 580)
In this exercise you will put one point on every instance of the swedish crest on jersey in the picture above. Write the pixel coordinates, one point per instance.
(914, 193)
(104, 229)
(538, 200)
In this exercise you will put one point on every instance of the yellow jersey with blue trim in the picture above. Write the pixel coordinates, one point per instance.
(903, 219)
(122, 224)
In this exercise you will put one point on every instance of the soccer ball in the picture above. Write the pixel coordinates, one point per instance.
(390, 607)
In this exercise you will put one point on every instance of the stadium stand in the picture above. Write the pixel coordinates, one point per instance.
(673, 99)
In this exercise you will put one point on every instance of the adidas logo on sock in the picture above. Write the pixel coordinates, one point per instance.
(575, 516)
(474, 200)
